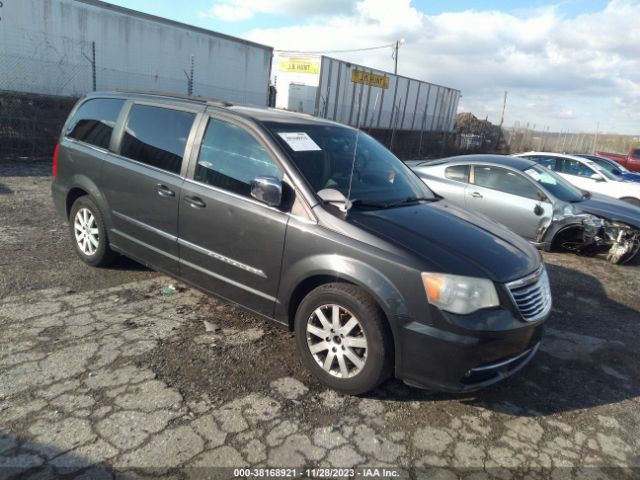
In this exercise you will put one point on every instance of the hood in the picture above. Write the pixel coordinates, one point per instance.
(630, 176)
(611, 209)
(453, 240)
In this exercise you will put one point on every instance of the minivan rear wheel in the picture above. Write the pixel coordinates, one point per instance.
(89, 234)
(342, 336)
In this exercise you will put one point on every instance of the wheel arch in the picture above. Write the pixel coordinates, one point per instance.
(294, 288)
(82, 185)
(631, 200)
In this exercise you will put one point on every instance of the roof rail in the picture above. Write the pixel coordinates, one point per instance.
(181, 96)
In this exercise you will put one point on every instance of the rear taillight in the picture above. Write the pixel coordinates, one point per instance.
(54, 167)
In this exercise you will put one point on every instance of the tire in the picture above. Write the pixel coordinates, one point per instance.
(632, 201)
(88, 233)
(362, 350)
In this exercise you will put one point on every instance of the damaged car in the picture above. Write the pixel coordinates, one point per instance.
(537, 203)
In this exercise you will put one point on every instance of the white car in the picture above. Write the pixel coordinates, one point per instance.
(587, 175)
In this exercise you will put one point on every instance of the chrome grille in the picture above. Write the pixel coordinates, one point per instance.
(532, 295)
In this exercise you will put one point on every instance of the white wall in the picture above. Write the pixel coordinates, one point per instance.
(43, 43)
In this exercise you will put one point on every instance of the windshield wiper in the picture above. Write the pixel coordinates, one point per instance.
(410, 201)
(405, 201)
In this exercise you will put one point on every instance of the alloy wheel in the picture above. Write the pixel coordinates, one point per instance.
(86, 231)
(337, 341)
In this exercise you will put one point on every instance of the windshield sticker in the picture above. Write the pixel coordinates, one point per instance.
(299, 141)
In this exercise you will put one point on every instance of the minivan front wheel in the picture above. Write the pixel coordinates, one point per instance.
(342, 337)
(89, 234)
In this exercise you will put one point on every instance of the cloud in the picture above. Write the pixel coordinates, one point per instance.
(229, 13)
(238, 10)
(587, 66)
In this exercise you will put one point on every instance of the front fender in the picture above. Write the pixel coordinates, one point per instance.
(342, 268)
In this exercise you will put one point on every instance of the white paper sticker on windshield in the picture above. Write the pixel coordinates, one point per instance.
(299, 141)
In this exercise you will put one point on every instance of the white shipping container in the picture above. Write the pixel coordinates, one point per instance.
(46, 47)
(302, 98)
(376, 99)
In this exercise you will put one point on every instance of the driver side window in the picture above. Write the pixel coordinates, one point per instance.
(230, 158)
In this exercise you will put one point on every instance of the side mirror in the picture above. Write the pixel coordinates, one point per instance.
(267, 190)
(335, 197)
(597, 177)
(616, 172)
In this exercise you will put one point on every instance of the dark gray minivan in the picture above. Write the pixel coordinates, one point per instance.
(309, 223)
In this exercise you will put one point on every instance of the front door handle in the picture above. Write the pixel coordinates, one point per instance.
(195, 202)
(164, 191)
(476, 195)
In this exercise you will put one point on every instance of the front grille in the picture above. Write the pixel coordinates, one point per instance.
(532, 295)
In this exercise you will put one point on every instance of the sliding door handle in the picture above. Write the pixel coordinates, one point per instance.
(195, 202)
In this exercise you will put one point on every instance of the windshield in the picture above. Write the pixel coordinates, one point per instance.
(605, 173)
(554, 184)
(324, 154)
(607, 165)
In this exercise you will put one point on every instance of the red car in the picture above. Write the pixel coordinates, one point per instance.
(631, 161)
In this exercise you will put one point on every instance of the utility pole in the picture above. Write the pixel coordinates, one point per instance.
(504, 106)
(396, 47)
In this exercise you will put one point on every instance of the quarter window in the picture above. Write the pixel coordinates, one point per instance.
(230, 158)
(157, 136)
(459, 173)
(505, 181)
(94, 121)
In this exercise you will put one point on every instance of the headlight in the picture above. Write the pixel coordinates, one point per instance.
(457, 294)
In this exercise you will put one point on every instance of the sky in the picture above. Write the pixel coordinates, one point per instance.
(569, 65)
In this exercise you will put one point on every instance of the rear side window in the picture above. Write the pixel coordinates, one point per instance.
(157, 136)
(94, 121)
(459, 173)
(230, 158)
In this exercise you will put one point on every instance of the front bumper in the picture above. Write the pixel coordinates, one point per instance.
(446, 356)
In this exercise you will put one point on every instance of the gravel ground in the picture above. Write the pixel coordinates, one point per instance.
(101, 374)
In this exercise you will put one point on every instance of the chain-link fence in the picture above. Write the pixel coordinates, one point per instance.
(42, 76)
(526, 137)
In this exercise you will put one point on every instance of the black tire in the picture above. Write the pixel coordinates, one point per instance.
(103, 255)
(632, 201)
(372, 324)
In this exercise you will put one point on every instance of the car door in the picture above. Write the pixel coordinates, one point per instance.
(231, 244)
(143, 180)
(510, 198)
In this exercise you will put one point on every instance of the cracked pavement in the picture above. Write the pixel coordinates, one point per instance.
(103, 375)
